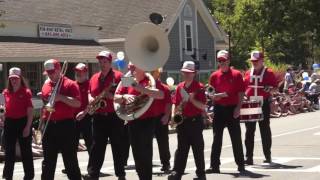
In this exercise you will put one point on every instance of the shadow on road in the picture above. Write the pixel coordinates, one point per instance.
(246, 174)
(276, 166)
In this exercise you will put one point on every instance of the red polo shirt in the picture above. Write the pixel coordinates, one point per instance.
(130, 90)
(17, 103)
(230, 82)
(269, 79)
(189, 109)
(83, 87)
(113, 77)
(159, 105)
(62, 110)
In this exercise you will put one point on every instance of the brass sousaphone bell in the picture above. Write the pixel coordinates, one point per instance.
(147, 47)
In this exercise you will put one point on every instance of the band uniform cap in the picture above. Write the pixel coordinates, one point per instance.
(51, 65)
(223, 55)
(15, 72)
(256, 55)
(81, 67)
(188, 66)
(104, 54)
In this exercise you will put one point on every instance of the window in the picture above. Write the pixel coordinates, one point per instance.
(188, 33)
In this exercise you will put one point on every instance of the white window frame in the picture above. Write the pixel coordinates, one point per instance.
(188, 23)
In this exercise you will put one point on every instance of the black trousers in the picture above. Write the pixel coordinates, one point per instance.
(162, 136)
(141, 136)
(223, 117)
(60, 136)
(265, 132)
(84, 127)
(13, 129)
(189, 133)
(106, 127)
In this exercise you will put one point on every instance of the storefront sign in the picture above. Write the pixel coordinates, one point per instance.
(56, 31)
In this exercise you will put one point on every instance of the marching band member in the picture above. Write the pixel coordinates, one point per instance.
(106, 124)
(141, 130)
(259, 81)
(189, 133)
(162, 110)
(229, 90)
(84, 126)
(17, 124)
(60, 131)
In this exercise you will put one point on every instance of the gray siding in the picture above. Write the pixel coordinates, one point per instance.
(173, 62)
(206, 45)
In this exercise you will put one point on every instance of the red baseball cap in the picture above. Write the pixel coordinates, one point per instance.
(81, 67)
(51, 65)
(104, 54)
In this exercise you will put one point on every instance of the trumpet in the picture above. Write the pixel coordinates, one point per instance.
(210, 90)
(50, 105)
(178, 118)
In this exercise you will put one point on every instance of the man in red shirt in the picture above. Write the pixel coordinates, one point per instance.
(60, 131)
(141, 129)
(259, 81)
(190, 100)
(106, 124)
(229, 91)
(84, 125)
(162, 111)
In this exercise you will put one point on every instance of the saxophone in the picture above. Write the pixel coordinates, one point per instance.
(99, 101)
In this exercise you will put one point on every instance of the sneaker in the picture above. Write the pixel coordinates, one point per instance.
(211, 170)
(174, 176)
(64, 171)
(249, 161)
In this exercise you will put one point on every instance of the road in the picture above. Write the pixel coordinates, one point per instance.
(295, 152)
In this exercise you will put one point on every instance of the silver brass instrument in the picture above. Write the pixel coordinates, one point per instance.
(210, 90)
(147, 47)
(2, 105)
(51, 103)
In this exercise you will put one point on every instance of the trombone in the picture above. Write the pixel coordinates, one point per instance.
(51, 103)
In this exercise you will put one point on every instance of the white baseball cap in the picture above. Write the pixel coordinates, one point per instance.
(51, 65)
(256, 55)
(188, 66)
(15, 72)
(223, 55)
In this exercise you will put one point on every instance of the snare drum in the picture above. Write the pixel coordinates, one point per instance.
(251, 111)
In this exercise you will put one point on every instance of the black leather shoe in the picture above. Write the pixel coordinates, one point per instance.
(212, 170)
(249, 161)
(89, 177)
(165, 168)
(241, 169)
(174, 176)
(202, 177)
(268, 160)
(121, 178)
(64, 171)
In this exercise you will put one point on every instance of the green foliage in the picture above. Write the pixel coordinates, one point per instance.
(288, 31)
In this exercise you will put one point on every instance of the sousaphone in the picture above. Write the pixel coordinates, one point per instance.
(147, 47)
